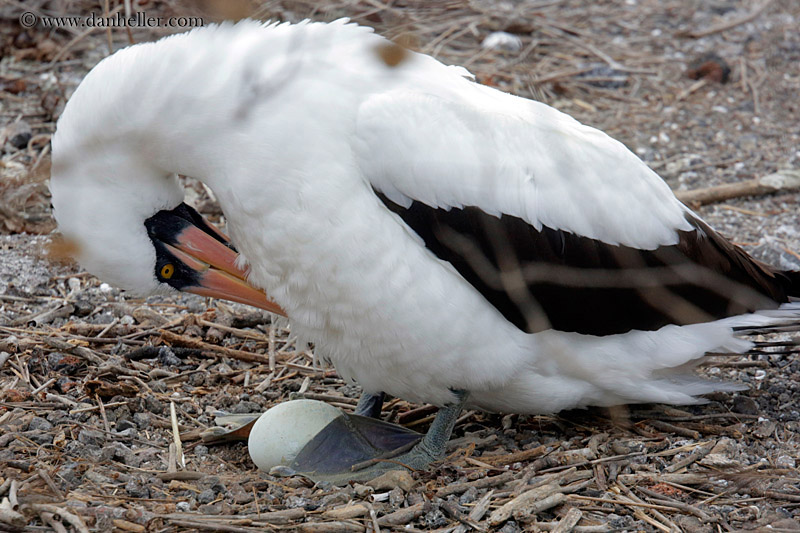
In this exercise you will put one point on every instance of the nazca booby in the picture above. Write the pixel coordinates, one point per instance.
(436, 239)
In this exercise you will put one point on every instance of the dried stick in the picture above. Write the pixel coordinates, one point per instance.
(482, 483)
(73, 520)
(180, 340)
(50, 520)
(569, 521)
(176, 436)
(785, 180)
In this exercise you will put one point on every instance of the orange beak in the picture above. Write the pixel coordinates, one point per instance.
(215, 266)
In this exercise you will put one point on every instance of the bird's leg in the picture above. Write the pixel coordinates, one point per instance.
(434, 444)
(370, 405)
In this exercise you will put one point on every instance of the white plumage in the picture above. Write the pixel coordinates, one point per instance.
(295, 128)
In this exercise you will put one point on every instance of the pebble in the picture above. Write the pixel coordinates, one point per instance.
(215, 508)
(246, 407)
(510, 527)
(90, 437)
(119, 452)
(200, 450)
(206, 496)
(211, 482)
(240, 496)
(40, 437)
(501, 40)
(785, 461)
(136, 489)
(39, 423)
(745, 405)
(396, 497)
(125, 424)
(166, 357)
(362, 491)
(435, 519)
(142, 420)
(82, 308)
(153, 405)
(392, 479)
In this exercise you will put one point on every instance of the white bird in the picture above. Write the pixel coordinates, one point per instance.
(438, 240)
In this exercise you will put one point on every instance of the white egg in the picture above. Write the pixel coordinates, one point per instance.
(280, 433)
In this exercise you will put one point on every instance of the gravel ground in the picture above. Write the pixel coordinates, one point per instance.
(85, 424)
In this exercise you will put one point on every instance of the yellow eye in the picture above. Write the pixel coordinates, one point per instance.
(167, 271)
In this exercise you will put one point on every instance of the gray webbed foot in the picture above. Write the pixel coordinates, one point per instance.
(357, 448)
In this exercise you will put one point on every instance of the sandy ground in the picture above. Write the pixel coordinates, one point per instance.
(85, 430)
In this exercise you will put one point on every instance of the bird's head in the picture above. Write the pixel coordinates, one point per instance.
(135, 232)
(124, 215)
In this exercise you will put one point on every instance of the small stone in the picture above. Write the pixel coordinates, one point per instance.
(765, 428)
(211, 482)
(183, 507)
(246, 407)
(239, 495)
(117, 451)
(691, 523)
(64, 363)
(166, 357)
(396, 497)
(200, 450)
(20, 140)
(82, 308)
(435, 519)
(39, 423)
(206, 496)
(125, 423)
(90, 437)
(98, 478)
(65, 384)
(215, 508)
(624, 447)
(392, 479)
(785, 461)
(293, 502)
(136, 489)
(142, 420)
(40, 437)
(500, 40)
(362, 491)
(745, 405)
(153, 405)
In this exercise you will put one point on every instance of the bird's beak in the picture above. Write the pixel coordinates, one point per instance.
(217, 273)
(196, 257)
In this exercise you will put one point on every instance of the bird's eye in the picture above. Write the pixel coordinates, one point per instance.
(167, 271)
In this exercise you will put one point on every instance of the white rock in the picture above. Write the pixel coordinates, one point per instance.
(501, 40)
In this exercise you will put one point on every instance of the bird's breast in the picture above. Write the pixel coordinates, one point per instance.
(361, 286)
